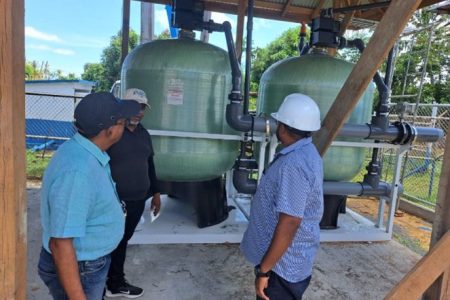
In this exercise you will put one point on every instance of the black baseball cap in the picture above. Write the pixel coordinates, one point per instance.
(98, 111)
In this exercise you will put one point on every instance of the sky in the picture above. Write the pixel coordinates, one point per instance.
(70, 33)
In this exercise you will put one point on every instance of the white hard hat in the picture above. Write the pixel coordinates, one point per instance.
(300, 112)
(136, 95)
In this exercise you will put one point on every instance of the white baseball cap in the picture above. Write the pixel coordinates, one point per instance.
(136, 95)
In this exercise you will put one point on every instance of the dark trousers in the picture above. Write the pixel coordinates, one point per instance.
(280, 289)
(134, 213)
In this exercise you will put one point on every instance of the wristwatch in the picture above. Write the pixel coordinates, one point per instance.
(259, 273)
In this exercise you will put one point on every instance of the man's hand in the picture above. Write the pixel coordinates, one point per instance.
(260, 284)
(65, 259)
(156, 203)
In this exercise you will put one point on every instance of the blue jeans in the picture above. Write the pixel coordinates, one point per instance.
(92, 275)
(280, 289)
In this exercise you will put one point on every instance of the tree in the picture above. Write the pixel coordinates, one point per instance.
(164, 35)
(108, 71)
(352, 54)
(409, 65)
(39, 71)
(284, 46)
(35, 70)
(92, 72)
(59, 75)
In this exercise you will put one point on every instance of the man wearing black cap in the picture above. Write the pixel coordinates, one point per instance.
(81, 214)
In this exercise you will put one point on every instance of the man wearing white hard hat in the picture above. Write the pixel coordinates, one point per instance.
(133, 170)
(282, 238)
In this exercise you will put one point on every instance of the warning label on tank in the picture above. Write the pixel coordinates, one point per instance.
(175, 92)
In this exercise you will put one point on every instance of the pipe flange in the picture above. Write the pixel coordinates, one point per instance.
(413, 133)
(404, 133)
(267, 127)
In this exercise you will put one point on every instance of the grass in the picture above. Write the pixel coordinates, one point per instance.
(37, 163)
(416, 185)
(409, 242)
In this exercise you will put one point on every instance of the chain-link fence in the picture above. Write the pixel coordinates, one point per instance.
(49, 120)
(421, 166)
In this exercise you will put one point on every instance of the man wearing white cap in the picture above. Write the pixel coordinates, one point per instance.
(282, 237)
(133, 171)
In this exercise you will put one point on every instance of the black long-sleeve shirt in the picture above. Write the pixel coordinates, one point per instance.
(132, 165)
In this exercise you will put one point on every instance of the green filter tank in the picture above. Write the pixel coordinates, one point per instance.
(187, 83)
(321, 77)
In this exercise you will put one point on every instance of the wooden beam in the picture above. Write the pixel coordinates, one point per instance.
(441, 223)
(125, 29)
(348, 18)
(285, 8)
(262, 5)
(380, 10)
(242, 8)
(316, 11)
(13, 207)
(440, 289)
(384, 37)
(261, 13)
(424, 272)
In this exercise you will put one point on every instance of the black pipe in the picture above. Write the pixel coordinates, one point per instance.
(383, 189)
(380, 119)
(301, 42)
(236, 75)
(240, 122)
(382, 108)
(389, 67)
(248, 55)
(245, 185)
(242, 181)
(305, 49)
(361, 7)
(399, 133)
(234, 112)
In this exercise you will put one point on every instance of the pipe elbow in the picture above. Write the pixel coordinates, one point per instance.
(243, 183)
(226, 25)
(236, 119)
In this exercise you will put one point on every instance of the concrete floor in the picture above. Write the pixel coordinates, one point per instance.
(218, 271)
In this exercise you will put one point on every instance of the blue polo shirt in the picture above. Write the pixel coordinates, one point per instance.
(79, 200)
(293, 185)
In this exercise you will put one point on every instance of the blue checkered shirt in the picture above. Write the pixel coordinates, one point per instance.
(292, 185)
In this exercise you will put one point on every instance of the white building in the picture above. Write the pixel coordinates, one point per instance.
(77, 88)
(49, 109)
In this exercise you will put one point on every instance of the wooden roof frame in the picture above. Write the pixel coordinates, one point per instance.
(286, 11)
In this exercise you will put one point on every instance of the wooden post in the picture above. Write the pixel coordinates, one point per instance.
(125, 29)
(441, 224)
(424, 273)
(13, 209)
(387, 31)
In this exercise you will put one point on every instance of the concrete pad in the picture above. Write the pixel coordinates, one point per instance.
(218, 271)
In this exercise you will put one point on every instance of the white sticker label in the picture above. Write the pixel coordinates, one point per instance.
(175, 92)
